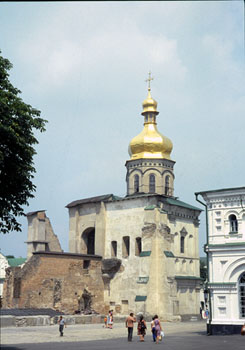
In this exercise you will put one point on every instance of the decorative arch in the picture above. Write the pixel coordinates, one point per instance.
(234, 270)
(135, 171)
(168, 172)
(152, 170)
(230, 212)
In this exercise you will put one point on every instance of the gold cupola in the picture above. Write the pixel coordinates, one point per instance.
(150, 143)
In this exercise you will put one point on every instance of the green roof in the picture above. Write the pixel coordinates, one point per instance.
(187, 278)
(140, 298)
(173, 201)
(162, 211)
(146, 253)
(143, 280)
(150, 207)
(168, 254)
(13, 262)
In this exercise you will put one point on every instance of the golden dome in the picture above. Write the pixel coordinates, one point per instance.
(150, 143)
(149, 104)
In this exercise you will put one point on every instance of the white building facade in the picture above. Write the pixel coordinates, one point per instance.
(226, 258)
(3, 266)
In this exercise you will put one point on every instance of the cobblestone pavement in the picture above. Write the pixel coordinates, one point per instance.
(89, 332)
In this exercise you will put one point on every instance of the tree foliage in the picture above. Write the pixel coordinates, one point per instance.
(17, 123)
(203, 268)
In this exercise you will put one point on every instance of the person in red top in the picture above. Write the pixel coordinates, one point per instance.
(130, 325)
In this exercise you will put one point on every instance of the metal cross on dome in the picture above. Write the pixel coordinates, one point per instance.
(149, 81)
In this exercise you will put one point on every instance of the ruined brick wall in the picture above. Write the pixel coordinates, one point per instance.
(60, 281)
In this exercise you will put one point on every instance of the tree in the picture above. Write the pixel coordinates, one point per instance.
(203, 268)
(17, 123)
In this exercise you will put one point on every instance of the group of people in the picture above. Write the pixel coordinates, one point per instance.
(156, 328)
(108, 320)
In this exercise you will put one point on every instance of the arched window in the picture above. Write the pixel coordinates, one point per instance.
(233, 223)
(88, 241)
(152, 186)
(242, 295)
(167, 185)
(138, 247)
(114, 248)
(182, 244)
(136, 183)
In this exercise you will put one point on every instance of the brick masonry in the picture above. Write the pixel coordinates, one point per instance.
(60, 281)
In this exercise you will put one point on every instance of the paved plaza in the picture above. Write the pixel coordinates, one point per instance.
(178, 336)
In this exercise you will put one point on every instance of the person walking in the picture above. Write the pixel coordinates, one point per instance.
(153, 330)
(142, 328)
(130, 325)
(243, 330)
(110, 319)
(61, 323)
(158, 328)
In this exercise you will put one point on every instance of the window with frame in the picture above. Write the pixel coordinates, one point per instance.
(136, 183)
(242, 295)
(233, 223)
(152, 183)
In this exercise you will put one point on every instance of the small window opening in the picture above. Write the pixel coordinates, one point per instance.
(182, 244)
(126, 246)
(233, 224)
(167, 185)
(138, 247)
(136, 183)
(114, 248)
(152, 186)
(242, 295)
(86, 264)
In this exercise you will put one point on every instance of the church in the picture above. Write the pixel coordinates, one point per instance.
(137, 253)
(148, 239)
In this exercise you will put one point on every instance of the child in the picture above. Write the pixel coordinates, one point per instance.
(105, 322)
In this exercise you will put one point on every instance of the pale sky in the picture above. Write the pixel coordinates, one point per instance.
(84, 65)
